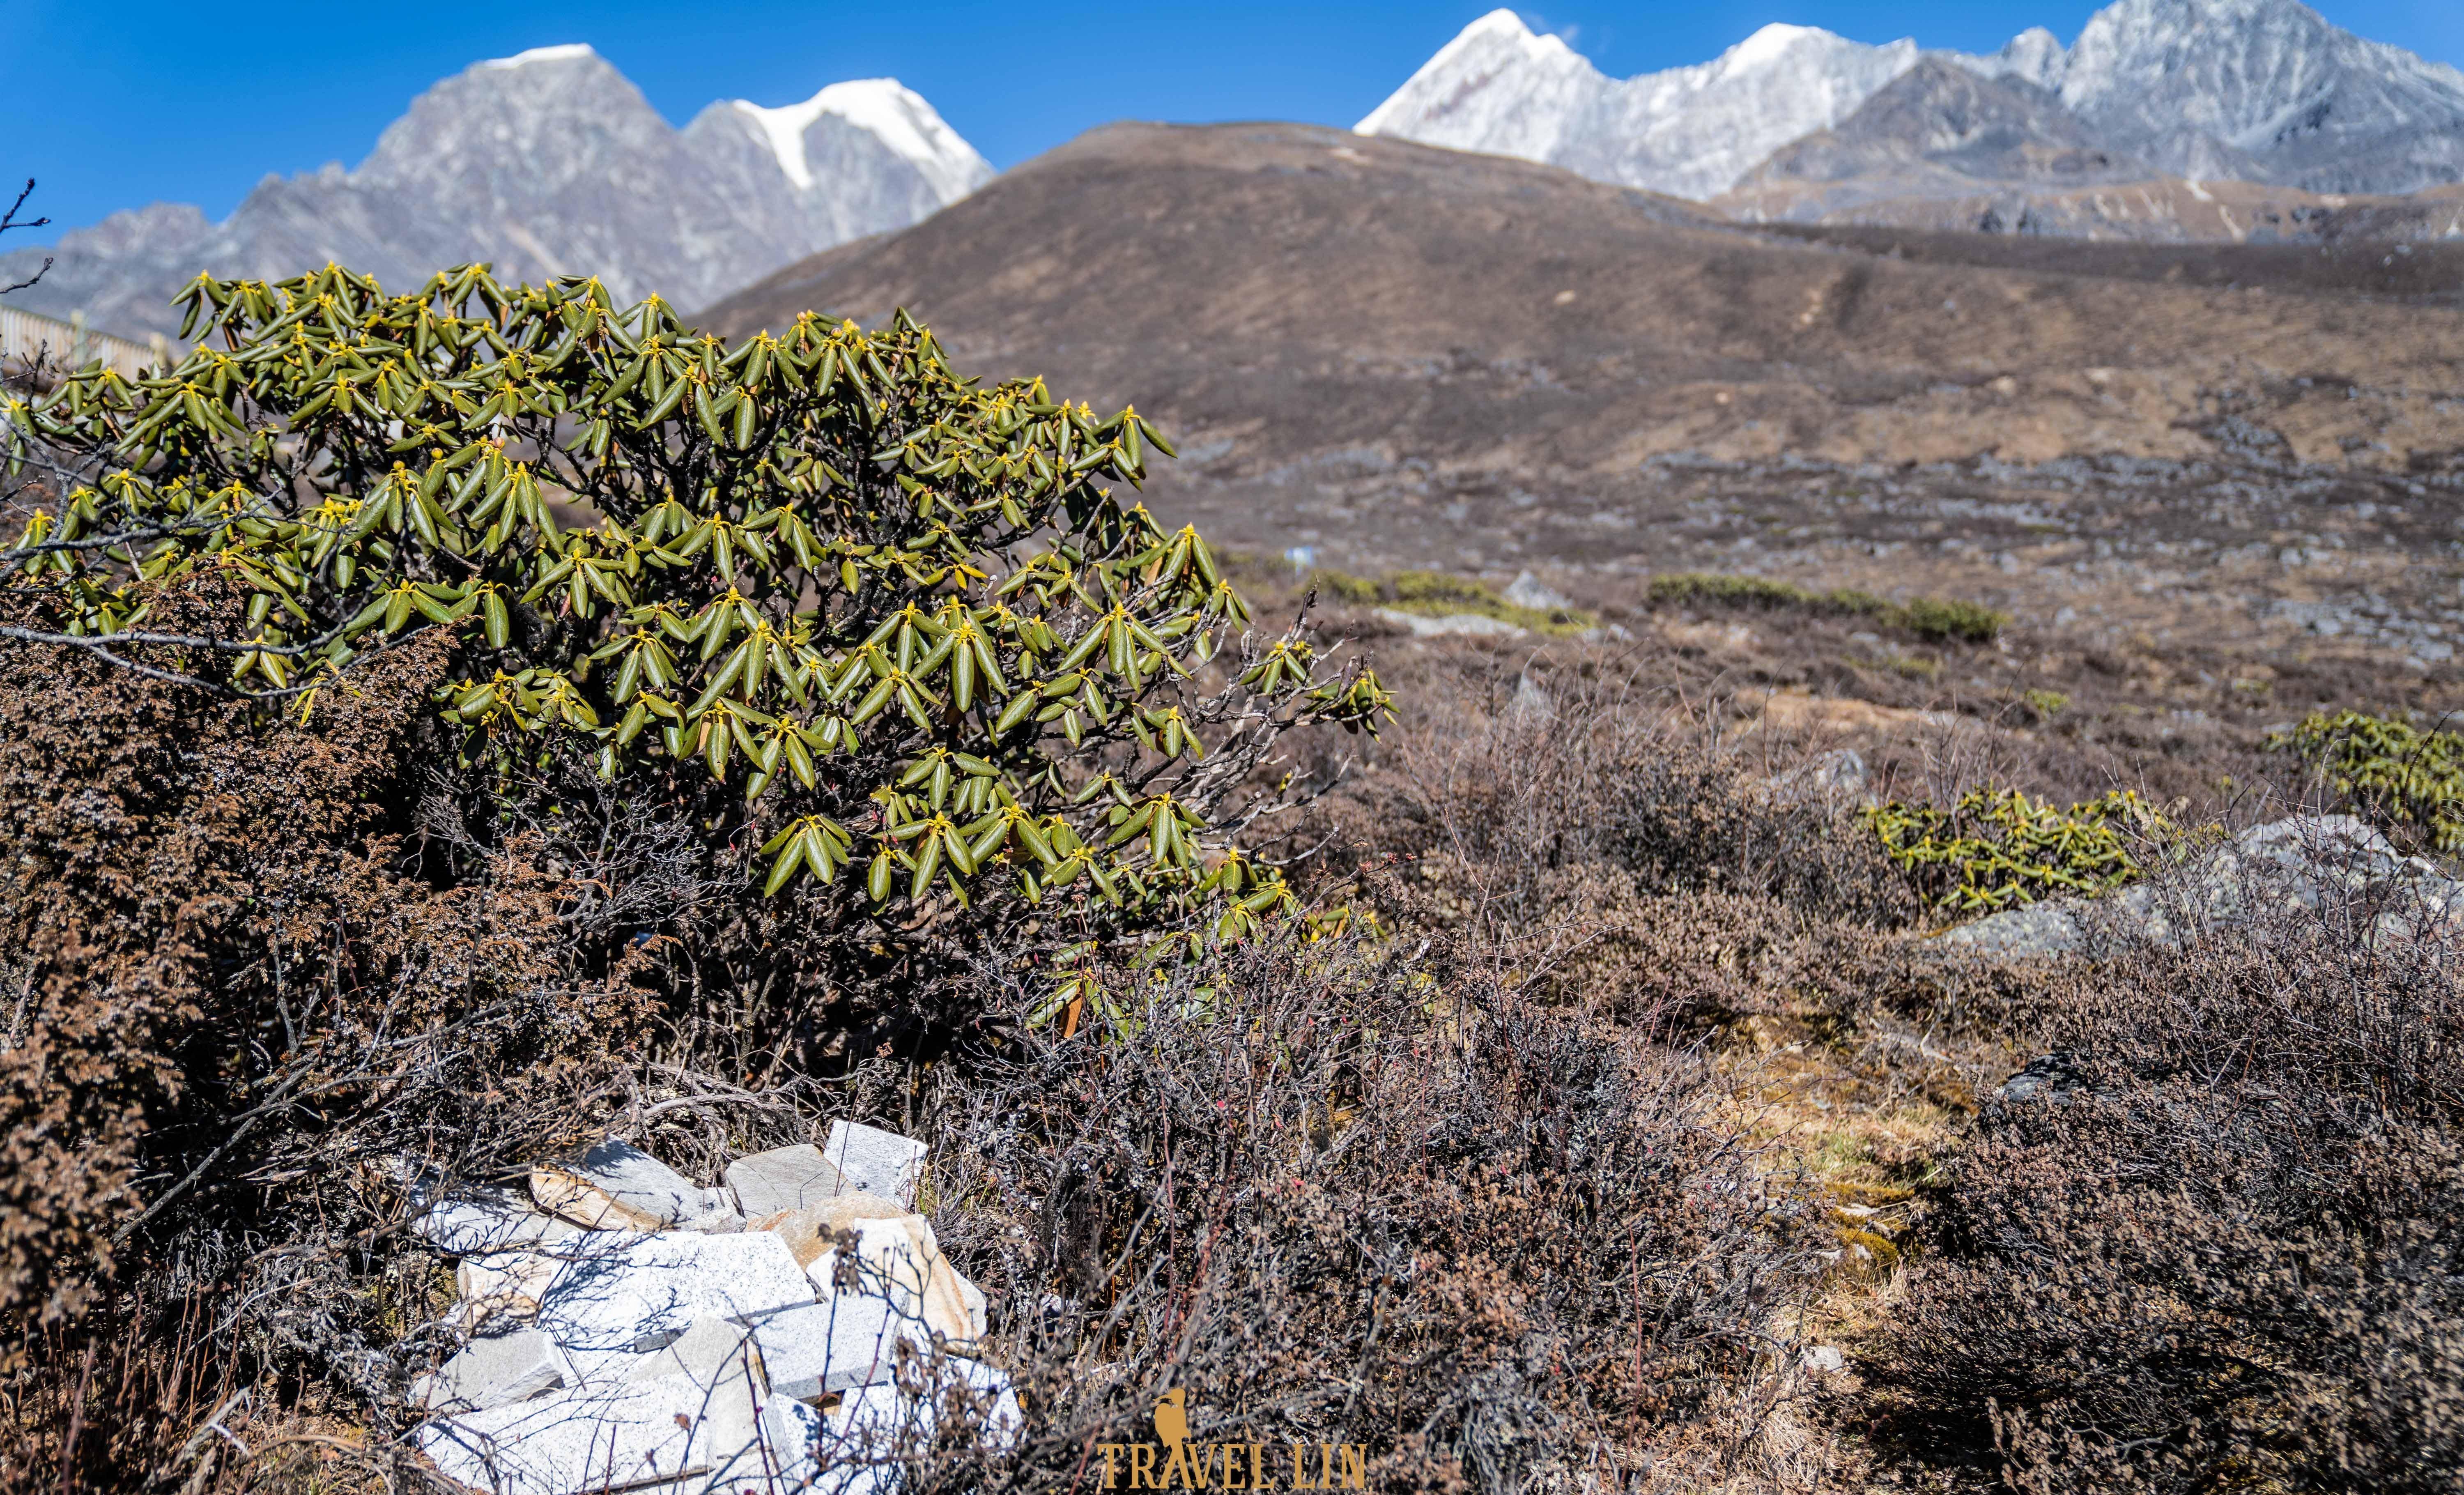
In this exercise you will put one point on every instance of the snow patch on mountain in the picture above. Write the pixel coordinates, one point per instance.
(564, 52)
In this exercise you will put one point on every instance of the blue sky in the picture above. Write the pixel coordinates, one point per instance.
(117, 105)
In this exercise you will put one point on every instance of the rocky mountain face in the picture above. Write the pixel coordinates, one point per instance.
(1937, 130)
(549, 163)
(2260, 91)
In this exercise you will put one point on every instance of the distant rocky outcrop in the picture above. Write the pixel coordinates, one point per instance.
(1939, 130)
(549, 163)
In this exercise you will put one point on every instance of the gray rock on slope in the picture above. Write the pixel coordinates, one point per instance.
(783, 1179)
(1937, 130)
(876, 1161)
(494, 1370)
(616, 1186)
(2302, 863)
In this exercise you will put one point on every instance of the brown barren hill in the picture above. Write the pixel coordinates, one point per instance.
(1302, 307)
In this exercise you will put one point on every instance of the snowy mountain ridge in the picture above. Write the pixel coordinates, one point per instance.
(546, 162)
(2262, 90)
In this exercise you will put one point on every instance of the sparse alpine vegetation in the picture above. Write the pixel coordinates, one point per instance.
(1935, 619)
(2409, 780)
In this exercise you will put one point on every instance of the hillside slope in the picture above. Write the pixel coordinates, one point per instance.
(1282, 293)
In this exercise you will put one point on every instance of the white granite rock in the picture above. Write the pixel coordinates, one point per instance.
(633, 1293)
(714, 1349)
(503, 1283)
(617, 1186)
(901, 1261)
(807, 1231)
(494, 1370)
(783, 1179)
(492, 1219)
(848, 1340)
(877, 1418)
(627, 1436)
(876, 1161)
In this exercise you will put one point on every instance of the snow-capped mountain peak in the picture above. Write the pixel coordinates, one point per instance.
(896, 115)
(2266, 89)
(1693, 131)
(548, 163)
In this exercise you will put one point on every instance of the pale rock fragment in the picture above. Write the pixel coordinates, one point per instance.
(848, 1340)
(876, 1161)
(901, 1261)
(879, 1419)
(631, 1436)
(713, 1351)
(636, 1293)
(783, 1179)
(617, 1186)
(807, 1231)
(492, 1219)
(503, 1283)
(494, 1370)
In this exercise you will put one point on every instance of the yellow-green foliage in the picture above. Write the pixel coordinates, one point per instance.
(1998, 847)
(1437, 594)
(1936, 618)
(892, 609)
(2396, 773)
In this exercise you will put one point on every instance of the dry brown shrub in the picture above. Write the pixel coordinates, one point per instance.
(236, 1010)
(1344, 1196)
(2227, 1255)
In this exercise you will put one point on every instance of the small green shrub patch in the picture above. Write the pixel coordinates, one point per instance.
(1437, 593)
(2394, 773)
(1938, 619)
(1998, 847)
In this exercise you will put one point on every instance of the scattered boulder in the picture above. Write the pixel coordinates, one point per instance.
(503, 1284)
(2040, 930)
(783, 1179)
(493, 1220)
(617, 1186)
(2305, 863)
(624, 1437)
(849, 1339)
(2052, 1078)
(1423, 625)
(1837, 779)
(877, 1161)
(871, 1419)
(901, 1259)
(807, 1231)
(1530, 591)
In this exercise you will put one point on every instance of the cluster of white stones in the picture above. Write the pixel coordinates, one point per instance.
(630, 1330)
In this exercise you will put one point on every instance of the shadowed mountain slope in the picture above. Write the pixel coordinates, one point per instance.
(1309, 310)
